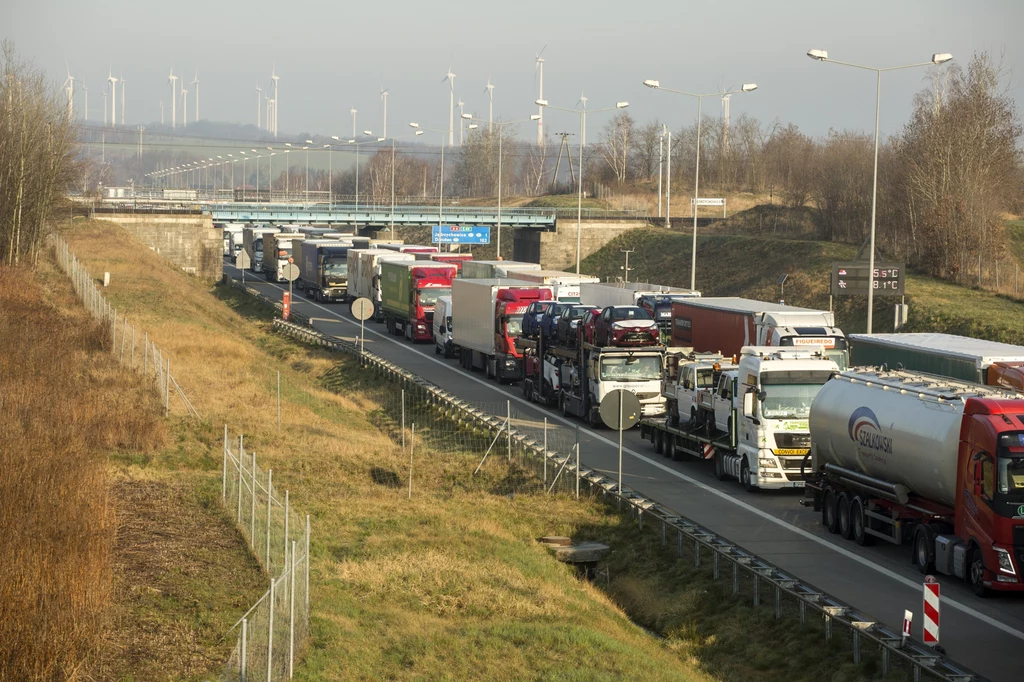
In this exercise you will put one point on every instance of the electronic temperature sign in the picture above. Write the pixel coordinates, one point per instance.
(851, 279)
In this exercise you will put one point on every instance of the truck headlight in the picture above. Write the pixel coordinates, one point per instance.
(421, 327)
(766, 463)
(1005, 561)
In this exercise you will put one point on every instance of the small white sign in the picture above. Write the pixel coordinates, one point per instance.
(703, 201)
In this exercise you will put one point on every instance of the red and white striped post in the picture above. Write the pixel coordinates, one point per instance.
(908, 619)
(931, 611)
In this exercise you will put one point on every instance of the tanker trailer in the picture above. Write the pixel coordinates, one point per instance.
(909, 457)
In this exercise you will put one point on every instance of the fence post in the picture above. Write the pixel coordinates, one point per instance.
(252, 513)
(287, 513)
(508, 427)
(270, 507)
(270, 636)
(577, 462)
(412, 448)
(279, 401)
(306, 592)
(124, 337)
(291, 618)
(241, 454)
(403, 422)
(133, 347)
(245, 653)
(167, 389)
(113, 331)
(545, 452)
(224, 470)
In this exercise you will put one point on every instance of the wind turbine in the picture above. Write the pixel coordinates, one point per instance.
(259, 106)
(450, 77)
(353, 111)
(195, 82)
(122, 99)
(86, 91)
(161, 112)
(274, 77)
(69, 89)
(461, 129)
(384, 100)
(113, 99)
(583, 132)
(184, 107)
(172, 79)
(539, 72)
(725, 120)
(490, 96)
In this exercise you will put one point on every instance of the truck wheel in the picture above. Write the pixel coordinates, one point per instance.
(976, 573)
(659, 442)
(924, 543)
(673, 416)
(562, 405)
(437, 349)
(720, 469)
(745, 477)
(860, 523)
(671, 448)
(843, 516)
(828, 511)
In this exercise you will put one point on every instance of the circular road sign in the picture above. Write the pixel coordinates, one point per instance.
(620, 409)
(290, 272)
(362, 309)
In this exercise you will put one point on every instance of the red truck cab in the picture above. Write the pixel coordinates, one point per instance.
(426, 284)
(456, 259)
(509, 307)
(989, 515)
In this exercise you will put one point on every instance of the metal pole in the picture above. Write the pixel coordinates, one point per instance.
(508, 428)
(501, 129)
(270, 507)
(392, 188)
(167, 389)
(577, 462)
(403, 422)
(270, 635)
(545, 452)
(579, 191)
(279, 401)
(661, 166)
(306, 593)
(252, 512)
(291, 618)
(620, 443)
(874, 200)
(668, 182)
(287, 513)
(245, 653)
(440, 197)
(357, 180)
(696, 191)
(412, 447)
(241, 454)
(224, 469)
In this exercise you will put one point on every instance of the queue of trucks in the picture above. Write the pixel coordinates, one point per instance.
(905, 438)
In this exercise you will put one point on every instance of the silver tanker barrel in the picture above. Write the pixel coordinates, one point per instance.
(891, 433)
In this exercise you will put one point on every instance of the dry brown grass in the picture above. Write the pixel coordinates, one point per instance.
(63, 403)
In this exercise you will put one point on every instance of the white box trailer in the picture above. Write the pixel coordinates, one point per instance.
(487, 269)
(566, 284)
(364, 273)
(604, 295)
(252, 242)
(277, 249)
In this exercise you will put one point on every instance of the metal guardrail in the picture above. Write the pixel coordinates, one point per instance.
(922, 659)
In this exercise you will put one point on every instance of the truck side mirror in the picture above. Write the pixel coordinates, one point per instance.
(762, 395)
(748, 404)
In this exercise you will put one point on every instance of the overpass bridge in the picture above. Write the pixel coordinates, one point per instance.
(380, 216)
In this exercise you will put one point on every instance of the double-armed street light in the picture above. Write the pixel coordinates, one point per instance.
(747, 87)
(440, 193)
(822, 56)
(582, 113)
(501, 134)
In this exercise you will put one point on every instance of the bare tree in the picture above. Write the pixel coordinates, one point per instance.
(616, 142)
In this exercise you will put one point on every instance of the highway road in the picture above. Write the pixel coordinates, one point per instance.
(982, 634)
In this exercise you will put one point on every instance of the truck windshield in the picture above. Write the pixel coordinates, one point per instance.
(705, 377)
(430, 295)
(336, 268)
(636, 368)
(789, 394)
(1011, 465)
(514, 325)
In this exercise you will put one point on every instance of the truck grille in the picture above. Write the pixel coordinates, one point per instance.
(791, 463)
(793, 441)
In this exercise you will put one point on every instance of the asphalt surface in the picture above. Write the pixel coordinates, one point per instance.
(981, 634)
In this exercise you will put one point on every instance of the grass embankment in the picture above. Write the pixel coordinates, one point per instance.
(110, 572)
(734, 265)
(449, 585)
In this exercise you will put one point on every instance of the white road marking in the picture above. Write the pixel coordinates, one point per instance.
(906, 582)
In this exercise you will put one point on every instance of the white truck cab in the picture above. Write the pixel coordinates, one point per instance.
(774, 389)
(442, 325)
(693, 377)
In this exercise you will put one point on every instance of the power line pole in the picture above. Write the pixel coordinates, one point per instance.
(625, 269)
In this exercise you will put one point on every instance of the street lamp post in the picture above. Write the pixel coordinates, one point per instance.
(501, 135)
(747, 87)
(306, 149)
(357, 145)
(583, 132)
(245, 176)
(270, 173)
(822, 56)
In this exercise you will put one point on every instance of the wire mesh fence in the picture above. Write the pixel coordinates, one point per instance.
(132, 348)
(272, 634)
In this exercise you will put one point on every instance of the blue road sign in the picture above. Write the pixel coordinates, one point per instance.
(460, 234)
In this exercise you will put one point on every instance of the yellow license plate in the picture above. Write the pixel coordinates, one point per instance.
(791, 452)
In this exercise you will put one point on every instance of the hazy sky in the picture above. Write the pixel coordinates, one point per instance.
(333, 56)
